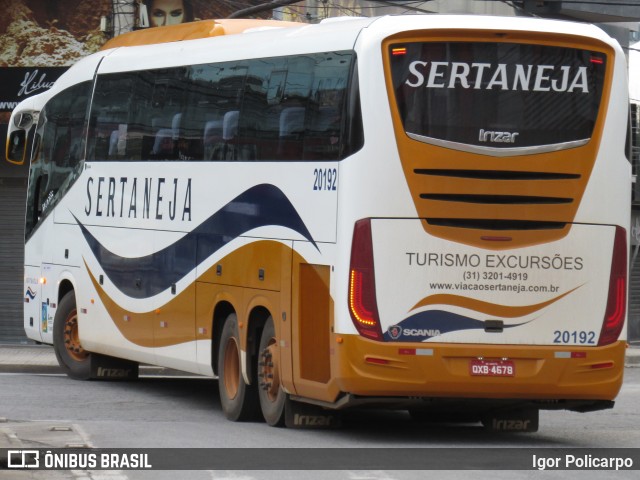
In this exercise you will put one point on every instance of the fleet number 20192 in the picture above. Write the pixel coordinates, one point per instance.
(579, 337)
(325, 178)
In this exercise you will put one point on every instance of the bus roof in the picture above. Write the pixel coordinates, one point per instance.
(193, 30)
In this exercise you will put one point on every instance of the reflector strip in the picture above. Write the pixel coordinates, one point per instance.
(406, 351)
(377, 361)
(415, 351)
(424, 351)
(570, 354)
(602, 365)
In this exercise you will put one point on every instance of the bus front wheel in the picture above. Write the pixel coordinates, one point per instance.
(272, 396)
(239, 400)
(74, 360)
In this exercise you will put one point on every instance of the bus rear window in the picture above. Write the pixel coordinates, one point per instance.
(497, 95)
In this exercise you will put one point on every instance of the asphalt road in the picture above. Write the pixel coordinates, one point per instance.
(46, 411)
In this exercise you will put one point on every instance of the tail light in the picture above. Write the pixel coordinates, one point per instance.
(617, 300)
(362, 285)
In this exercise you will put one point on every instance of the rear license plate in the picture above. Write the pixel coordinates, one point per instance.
(492, 368)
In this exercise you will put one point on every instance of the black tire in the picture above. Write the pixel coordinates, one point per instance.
(239, 400)
(74, 360)
(272, 396)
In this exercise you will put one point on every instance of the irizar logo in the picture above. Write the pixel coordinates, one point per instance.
(508, 425)
(312, 420)
(512, 421)
(497, 137)
(113, 372)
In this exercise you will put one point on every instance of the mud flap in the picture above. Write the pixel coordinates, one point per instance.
(512, 421)
(104, 367)
(304, 415)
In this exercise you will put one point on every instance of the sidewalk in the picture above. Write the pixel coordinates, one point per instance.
(28, 359)
(633, 356)
(42, 359)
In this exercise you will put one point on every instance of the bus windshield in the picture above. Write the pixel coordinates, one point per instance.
(497, 94)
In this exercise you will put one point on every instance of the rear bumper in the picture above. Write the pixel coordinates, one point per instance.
(366, 368)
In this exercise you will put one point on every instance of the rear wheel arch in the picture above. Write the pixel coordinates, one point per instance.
(257, 319)
(65, 287)
(74, 360)
(222, 310)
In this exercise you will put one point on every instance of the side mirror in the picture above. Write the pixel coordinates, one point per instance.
(23, 120)
(17, 147)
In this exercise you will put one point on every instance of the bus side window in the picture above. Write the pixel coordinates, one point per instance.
(58, 151)
(109, 122)
(41, 187)
(291, 133)
(261, 106)
(227, 148)
(323, 139)
(212, 136)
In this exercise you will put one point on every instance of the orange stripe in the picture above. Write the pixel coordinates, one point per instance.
(178, 317)
(191, 31)
(139, 328)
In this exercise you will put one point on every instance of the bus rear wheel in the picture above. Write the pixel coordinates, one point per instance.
(74, 360)
(272, 396)
(239, 400)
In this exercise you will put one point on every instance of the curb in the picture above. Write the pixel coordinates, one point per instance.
(44, 369)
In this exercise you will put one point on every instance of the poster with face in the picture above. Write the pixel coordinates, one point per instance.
(40, 39)
(168, 12)
(56, 33)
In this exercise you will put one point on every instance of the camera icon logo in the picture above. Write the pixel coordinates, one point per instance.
(23, 459)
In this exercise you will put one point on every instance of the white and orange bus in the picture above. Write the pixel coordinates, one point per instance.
(428, 213)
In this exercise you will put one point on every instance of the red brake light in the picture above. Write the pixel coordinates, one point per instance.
(617, 300)
(362, 286)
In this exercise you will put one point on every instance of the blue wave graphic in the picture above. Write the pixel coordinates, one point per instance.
(432, 323)
(144, 277)
(30, 293)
